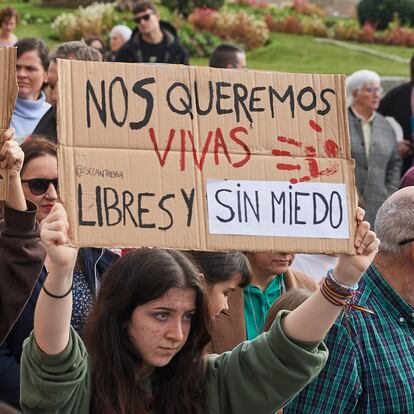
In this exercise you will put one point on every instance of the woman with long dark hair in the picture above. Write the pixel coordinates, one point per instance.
(146, 334)
(223, 272)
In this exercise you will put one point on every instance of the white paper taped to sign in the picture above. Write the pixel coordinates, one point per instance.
(276, 208)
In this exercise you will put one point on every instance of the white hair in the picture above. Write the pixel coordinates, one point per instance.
(358, 80)
(124, 31)
(395, 222)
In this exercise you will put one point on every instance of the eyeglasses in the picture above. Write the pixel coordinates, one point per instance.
(39, 186)
(406, 241)
(374, 90)
(145, 17)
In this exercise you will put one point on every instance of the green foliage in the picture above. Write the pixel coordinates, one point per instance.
(199, 44)
(382, 12)
(96, 19)
(185, 7)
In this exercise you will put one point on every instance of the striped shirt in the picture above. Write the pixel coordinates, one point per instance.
(370, 368)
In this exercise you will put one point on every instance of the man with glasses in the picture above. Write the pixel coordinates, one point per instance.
(370, 368)
(373, 142)
(152, 41)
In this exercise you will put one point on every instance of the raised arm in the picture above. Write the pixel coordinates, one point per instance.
(11, 159)
(54, 305)
(21, 253)
(312, 320)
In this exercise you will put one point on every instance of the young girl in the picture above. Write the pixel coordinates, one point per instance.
(223, 272)
(147, 331)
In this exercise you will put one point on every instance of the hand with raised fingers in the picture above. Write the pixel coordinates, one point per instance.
(350, 268)
(11, 155)
(54, 236)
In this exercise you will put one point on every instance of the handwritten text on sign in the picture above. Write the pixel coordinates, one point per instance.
(274, 208)
(138, 144)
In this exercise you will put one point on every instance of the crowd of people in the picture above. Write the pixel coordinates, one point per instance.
(95, 330)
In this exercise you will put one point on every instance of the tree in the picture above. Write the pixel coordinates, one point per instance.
(382, 12)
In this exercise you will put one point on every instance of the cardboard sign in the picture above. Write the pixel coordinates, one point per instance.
(201, 158)
(8, 95)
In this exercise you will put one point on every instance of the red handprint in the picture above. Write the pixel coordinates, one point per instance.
(331, 150)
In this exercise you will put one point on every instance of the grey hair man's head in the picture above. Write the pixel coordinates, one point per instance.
(76, 51)
(69, 50)
(394, 223)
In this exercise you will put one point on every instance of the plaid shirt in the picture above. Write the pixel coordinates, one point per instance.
(370, 368)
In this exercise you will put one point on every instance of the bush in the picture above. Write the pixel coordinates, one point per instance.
(382, 12)
(304, 7)
(261, 4)
(347, 30)
(241, 28)
(203, 19)
(367, 34)
(198, 44)
(186, 7)
(289, 24)
(398, 35)
(314, 27)
(96, 19)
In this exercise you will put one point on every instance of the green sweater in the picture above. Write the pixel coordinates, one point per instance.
(257, 376)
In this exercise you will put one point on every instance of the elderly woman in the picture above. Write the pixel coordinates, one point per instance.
(119, 35)
(373, 142)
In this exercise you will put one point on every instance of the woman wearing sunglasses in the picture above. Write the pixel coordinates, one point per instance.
(21, 260)
(40, 186)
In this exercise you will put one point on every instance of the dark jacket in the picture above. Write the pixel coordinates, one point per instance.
(47, 125)
(11, 349)
(131, 51)
(397, 103)
(21, 259)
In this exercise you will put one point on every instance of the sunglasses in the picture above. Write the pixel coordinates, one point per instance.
(39, 186)
(145, 17)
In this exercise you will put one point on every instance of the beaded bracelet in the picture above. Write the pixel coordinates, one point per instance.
(338, 286)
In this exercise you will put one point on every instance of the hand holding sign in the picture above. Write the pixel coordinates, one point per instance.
(11, 155)
(11, 162)
(350, 268)
(54, 235)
